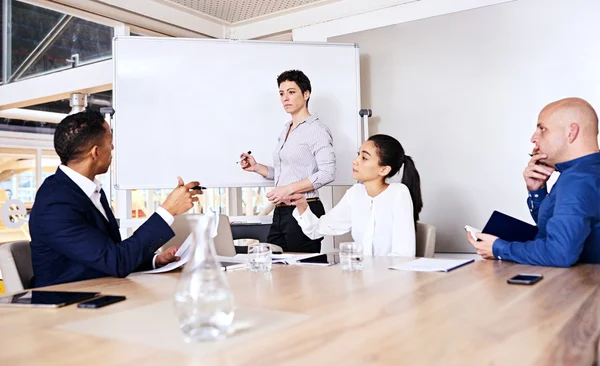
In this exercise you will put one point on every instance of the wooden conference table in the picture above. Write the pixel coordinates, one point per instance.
(323, 316)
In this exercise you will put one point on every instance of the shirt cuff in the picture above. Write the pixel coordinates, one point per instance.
(154, 261)
(500, 249)
(307, 219)
(169, 219)
(270, 173)
(314, 180)
(538, 195)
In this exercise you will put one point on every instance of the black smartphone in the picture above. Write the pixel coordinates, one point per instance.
(525, 279)
(100, 302)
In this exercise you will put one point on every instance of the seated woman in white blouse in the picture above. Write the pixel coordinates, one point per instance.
(381, 215)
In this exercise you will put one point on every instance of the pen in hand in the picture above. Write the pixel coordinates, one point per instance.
(237, 162)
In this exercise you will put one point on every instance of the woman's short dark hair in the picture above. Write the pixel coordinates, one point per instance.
(297, 77)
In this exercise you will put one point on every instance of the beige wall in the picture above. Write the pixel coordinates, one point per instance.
(462, 92)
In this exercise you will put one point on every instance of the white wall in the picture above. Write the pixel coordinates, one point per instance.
(462, 93)
(378, 16)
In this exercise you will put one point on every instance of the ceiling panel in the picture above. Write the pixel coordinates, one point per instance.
(239, 10)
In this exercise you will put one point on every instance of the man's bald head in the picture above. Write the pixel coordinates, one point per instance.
(573, 110)
(567, 129)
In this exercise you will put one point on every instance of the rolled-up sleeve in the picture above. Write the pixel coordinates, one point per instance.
(271, 173)
(322, 149)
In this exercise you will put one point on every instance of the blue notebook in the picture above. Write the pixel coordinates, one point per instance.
(508, 228)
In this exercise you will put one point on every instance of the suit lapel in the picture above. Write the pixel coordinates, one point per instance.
(111, 227)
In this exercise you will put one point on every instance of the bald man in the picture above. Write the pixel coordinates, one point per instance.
(566, 140)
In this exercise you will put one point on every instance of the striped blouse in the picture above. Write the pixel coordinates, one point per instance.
(307, 153)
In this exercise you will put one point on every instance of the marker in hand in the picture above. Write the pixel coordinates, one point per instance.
(237, 162)
(199, 188)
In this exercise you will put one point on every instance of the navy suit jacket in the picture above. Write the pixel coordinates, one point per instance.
(72, 241)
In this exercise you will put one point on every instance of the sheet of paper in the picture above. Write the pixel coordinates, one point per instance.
(431, 265)
(184, 251)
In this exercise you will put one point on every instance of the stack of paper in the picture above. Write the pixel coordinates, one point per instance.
(432, 265)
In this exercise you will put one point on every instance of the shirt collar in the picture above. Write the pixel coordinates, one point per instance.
(87, 186)
(587, 159)
(310, 119)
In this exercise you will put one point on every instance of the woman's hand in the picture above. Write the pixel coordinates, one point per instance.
(248, 163)
(276, 196)
(298, 200)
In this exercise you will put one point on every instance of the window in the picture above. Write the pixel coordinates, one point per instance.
(18, 170)
(95, 101)
(144, 202)
(255, 202)
(43, 41)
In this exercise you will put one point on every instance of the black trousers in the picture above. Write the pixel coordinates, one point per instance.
(286, 232)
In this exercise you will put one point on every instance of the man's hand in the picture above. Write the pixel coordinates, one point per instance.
(536, 175)
(182, 199)
(166, 257)
(484, 247)
(277, 195)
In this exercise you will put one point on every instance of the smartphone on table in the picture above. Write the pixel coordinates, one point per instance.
(100, 302)
(525, 279)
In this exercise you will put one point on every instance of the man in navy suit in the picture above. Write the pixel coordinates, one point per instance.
(74, 234)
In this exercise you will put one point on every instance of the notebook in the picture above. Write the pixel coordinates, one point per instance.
(508, 228)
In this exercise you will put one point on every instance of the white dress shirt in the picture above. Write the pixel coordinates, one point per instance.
(384, 225)
(93, 188)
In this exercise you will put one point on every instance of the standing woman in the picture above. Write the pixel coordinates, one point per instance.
(303, 161)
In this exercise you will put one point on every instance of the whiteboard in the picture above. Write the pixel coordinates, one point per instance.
(189, 107)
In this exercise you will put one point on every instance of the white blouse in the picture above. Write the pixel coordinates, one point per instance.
(384, 225)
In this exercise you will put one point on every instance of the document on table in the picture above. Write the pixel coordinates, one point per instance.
(432, 265)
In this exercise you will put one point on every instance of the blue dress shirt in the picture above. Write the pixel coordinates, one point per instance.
(568, 219)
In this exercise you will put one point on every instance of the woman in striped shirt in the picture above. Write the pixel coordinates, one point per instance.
(380, 215)
(303, 161)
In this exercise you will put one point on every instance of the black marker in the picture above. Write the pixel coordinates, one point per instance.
(198, 188)
(237, 162)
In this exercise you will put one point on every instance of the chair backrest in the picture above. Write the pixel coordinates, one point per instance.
(224, 239)
(258, 232)
(425, 235)
(15, 265)
(185, 224)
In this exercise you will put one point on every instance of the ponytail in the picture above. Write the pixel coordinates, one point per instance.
(412, 180)
(391, 153)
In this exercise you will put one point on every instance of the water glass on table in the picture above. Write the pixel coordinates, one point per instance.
(260, 257)
(351, 256)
